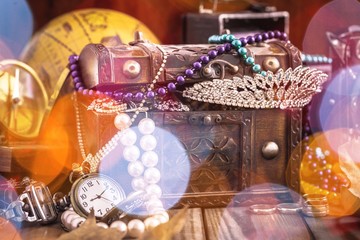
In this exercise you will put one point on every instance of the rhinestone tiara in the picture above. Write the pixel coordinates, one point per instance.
(283, 89)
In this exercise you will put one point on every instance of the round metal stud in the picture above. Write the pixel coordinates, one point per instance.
(131, 69)
(271, 64)
(270, 150)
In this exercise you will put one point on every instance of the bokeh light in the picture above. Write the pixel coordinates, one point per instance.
(320, 171)
(339, 105)
(16, 26)
(50, 161)
(169, 157)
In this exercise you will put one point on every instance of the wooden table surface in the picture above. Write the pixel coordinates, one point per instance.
(228, 224)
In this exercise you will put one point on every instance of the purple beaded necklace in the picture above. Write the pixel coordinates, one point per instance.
(227, 43)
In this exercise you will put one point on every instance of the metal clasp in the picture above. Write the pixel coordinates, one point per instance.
(41, 206)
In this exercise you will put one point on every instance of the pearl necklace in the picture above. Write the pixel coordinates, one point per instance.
(145, 174)
(134, 228)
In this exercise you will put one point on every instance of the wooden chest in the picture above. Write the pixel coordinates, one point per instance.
(226, 151)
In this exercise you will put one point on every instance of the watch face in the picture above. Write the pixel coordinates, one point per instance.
(96, 191)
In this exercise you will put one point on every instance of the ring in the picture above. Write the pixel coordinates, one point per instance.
(262, 208)
(288, 208)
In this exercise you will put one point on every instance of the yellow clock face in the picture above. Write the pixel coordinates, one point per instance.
(23, 99)
(95, 191)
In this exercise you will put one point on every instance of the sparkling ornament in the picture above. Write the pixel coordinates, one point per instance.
(149, 159)
(146, 126)
(148, 142)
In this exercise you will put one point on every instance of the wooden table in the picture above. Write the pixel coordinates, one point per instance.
(231, 223)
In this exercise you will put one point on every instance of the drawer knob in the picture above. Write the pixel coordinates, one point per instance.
(270, 150)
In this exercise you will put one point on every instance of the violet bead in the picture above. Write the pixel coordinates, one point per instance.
(172, 87)
(243, 41)
(227, 47)
(189, 72)
(258, 38)
(250, 39)
(118, 96)
(127, 96)
(220, 49)
(204, 59)
(265, 36)
(197, 65)
(76, 79)
(85, 91)
(139, 96)
(73, 59)
(98, 93)
(73, 67)
(180, 80)
(78, 85)
(91, 92)
(109, 94)
(212, 53)
(277, 34)
(271, 34)
(283, 36)
(161, 91)
(150, 94)
(80, 89)
(74, 74)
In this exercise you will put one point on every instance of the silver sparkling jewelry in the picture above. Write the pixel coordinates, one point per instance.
(172, 106)
(283, 89)
(106, 105)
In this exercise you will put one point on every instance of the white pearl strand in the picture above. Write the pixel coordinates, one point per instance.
(145, 178)
(110, 145)
(149, 159)
(134, 228)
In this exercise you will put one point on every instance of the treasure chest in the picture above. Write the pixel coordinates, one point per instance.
(221, 127)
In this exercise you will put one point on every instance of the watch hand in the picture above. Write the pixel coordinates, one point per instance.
(104, 198)
(98, 195)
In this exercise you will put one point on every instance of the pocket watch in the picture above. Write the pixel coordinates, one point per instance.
(95, 191)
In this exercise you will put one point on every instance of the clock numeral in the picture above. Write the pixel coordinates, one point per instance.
(83, 196)
(97, 182)
(85, 204)
(90, 184)
(100, 212)
(84, 189)
(106, 184)
(107, 209)
(113, 205)
(112, 190)
(114, 198)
